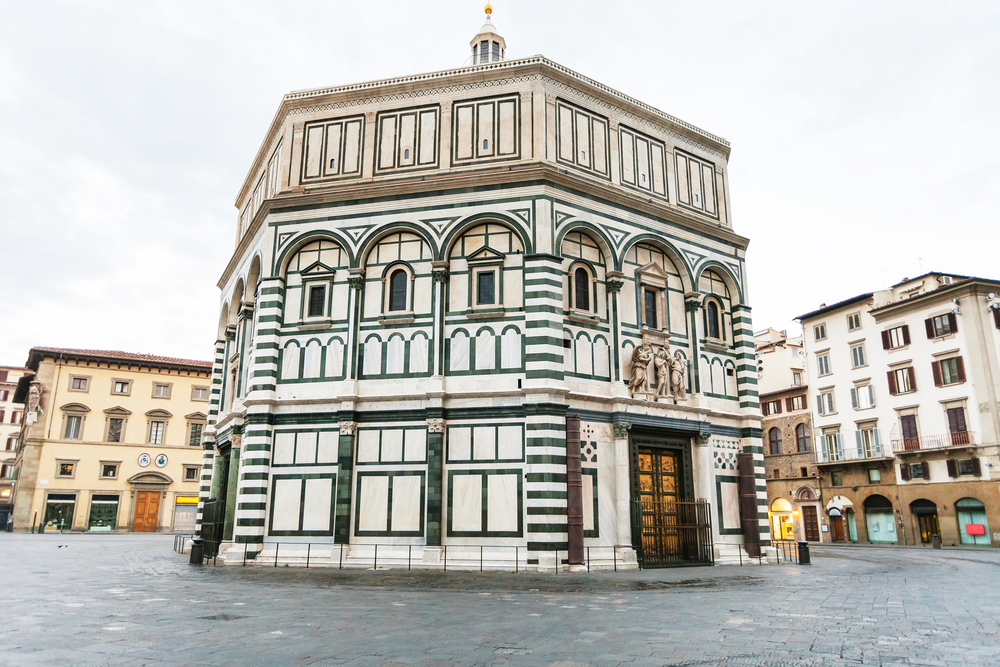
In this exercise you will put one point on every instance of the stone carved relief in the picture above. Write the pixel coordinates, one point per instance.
(348, 428)
(678, 369)
(435, 425)
(621, 429)
(653, 356)
(639, 366)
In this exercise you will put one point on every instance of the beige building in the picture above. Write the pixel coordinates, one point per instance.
(110, 441)
(10, 424)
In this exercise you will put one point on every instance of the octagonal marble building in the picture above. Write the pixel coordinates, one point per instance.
(433, 274)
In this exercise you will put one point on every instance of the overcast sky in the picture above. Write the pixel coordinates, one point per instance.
(864, 137)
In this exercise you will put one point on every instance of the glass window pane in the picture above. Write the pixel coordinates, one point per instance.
(397, 290)
(486, 288)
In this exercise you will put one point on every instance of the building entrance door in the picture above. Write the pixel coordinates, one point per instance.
(838, 528)
(810, 522)
(928, 525)
(659, 488)
(147, 511)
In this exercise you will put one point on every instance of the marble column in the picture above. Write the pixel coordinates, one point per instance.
(623, 485)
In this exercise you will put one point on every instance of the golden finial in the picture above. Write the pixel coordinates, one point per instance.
(488, 9)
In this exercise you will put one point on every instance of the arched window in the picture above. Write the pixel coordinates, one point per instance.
(581, 289)
(397, 290)
(803, 441)
(774, 438)
(712, 319)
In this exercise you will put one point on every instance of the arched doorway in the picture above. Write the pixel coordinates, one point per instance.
(927, 519)
(810, 518)
(782, 525)
(880, 519)
(972, 526)
(148, 490)
(836, 509)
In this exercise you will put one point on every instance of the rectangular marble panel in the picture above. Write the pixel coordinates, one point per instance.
(588, 501)
(584, 156)
(642, 159)
(292, 309)
(628, 158)
(485, 130)
(406, 508)
(373, 299)
(658, 170)
(675, 303)
(467, 503)
(407, 140)
(584, 356)
(394, 354)
(502, 510)
(419, 354)
(485, 351)
(285, 504)
(600, 146)
(428, 136)
(459, 286)
(513, 294)
(334, 359)
(305, 448)
(507, 129)
(566, 133)
(314, 151)
(415, 445)
(313, 357)
(730, 505)
(392, 445)
(459, 443)
(290, 362)
(459, 352)
(333, 133)
(373, 357)
(695, 170)
(352, 147)
(708, 178)
(423, 292)
(509, 442)
(464, 138)
(329, 446)
(373, 505)
(388, 136)
(510, 349)
(368, 446)
(484, 443)
(602, 360)
(316, 512)
(284, 449)
(682, 180)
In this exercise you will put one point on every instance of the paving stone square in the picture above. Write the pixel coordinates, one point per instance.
(130, 600)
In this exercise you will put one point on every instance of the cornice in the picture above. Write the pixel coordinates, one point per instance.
(536, 172)
(931, 299)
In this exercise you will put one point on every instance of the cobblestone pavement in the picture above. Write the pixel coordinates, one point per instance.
(130, 600)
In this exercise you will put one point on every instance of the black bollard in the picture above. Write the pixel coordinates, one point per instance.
(935, 542)
(804, 554)
(197, 551)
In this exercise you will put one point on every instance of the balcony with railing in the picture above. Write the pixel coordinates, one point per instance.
(867, 445)
(926, 442)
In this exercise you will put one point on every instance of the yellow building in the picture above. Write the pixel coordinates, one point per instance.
(110, 441)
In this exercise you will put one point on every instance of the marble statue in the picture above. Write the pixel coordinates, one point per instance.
(677, 370)
(664, 366)
(639, 365)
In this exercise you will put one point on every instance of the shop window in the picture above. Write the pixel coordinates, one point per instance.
(59, 511)
(972, 524)
(103, 513)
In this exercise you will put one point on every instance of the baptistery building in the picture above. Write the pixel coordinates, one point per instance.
(495, 316)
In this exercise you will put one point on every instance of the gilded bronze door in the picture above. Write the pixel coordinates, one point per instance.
(659, 490)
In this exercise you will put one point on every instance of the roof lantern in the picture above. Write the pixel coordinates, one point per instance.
(487, 46)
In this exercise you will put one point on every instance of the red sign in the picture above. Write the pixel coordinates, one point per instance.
(975, 529)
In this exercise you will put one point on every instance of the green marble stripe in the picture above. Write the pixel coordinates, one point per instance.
(253, 506)
(546, 459)
(544, 340)
(540, 426)
(546, 442)
(536, 357)
(259, 523)
(547, 527)
(546, 477)
(547, 546)
(547, 495)
(547, 511)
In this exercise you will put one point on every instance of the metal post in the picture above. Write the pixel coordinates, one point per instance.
(517, 563)
(244, 556)
(375, 563)
(480, 557)
(277, 545)
(308, 553)
(446, 558)
(341, 557)
(588, 559)
(409, 557)
(614, 557)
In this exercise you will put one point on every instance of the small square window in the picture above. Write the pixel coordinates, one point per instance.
(190, 473)
(819, 332)
(804, 471)
(65, 469)
(161, 390)
(776, 473)
(77, 383)
(854, 321)
(823, 364)
(916, 471)
(109, 471)
(858, 356)
(122, 387)
(199, 393)
(874, 476)
(837, 478)
(966, 467)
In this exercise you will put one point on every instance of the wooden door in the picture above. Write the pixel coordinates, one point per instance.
(811, 523)
(147, 511)
(838, 528)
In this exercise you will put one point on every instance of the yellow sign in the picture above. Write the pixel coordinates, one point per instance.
(187, 500)
(5, 493)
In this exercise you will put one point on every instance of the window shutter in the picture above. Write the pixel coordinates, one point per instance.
(788, 404)
(854, 397)
(929, 323)
(936, 369)
(885, 340)
(961, 369)
(906, 334)
(977, 469)
(952, 468)
(952, 322)
(819, 404)
(892, 383)
(871, 394)
(876, 442)
(996, 317)
(860, 443)
(927, 469)
(904, 471)
(913, 378)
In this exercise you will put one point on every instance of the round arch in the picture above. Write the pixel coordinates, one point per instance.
(365, 247)
(235, 302)
(669, 250)
(594, 232)
(253, 275)
(223, 321)
(285, 256)
(735, 289)
(781, 505)
(478, 219)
